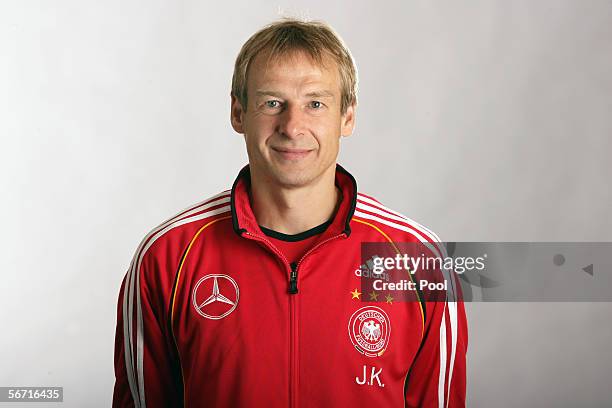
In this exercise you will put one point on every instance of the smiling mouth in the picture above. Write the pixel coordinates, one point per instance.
(292, 154)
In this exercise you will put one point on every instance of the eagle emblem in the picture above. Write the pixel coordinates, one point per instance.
(369, 330)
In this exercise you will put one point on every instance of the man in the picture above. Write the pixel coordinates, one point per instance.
(245, 298)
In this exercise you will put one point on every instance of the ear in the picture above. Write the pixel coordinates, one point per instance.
(237, 115)
(348, 121)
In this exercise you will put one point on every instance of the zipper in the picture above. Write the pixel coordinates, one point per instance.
(293, 289)
(293, 321)
(293, 351)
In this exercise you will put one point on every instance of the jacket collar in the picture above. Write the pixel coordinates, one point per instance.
(243, 219)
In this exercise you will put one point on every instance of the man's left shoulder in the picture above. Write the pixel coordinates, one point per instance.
(396, 226)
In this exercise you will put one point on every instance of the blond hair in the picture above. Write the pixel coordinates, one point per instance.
(283, 37)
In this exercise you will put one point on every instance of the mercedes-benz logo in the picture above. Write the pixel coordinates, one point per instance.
(215, 306)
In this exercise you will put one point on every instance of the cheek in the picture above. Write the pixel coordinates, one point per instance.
(328, 134)
(267, 125)
(258, 129)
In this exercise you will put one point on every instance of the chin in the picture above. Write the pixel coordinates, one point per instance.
(293, 180)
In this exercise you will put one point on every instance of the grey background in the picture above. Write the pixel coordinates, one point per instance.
(484, 120)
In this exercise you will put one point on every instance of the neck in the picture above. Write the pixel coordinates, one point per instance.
(292, 210)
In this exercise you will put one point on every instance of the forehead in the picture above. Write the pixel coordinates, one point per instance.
(296, 68)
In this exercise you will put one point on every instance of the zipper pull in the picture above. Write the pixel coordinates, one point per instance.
(293, 289)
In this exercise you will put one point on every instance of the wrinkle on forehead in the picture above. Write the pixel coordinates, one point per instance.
(290, 57)
(294, 55)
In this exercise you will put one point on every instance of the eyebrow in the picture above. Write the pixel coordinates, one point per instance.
(314, 94)
(320, 94)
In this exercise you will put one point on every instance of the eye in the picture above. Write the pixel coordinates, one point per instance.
(272, 104)
(316, 105)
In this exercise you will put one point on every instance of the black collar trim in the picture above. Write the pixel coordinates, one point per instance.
(245, 172)
(319, 229)
(349, 216)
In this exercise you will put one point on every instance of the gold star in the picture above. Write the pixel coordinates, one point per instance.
(389, 299)
(355, 294)
(374, 296)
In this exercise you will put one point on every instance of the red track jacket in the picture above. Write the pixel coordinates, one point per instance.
(211, 314)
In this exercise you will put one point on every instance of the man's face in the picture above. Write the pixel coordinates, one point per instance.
(292, 126)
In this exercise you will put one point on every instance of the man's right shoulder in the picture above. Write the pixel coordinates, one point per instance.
(175, 233)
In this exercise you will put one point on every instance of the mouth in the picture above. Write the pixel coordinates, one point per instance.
(291, 154)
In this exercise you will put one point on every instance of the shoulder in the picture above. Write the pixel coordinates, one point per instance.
(395, 226)
(168, 239)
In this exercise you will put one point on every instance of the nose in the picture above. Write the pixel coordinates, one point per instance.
(292, 121)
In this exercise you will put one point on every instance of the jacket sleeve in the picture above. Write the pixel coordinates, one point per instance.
(147, 372)
(437, 377)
